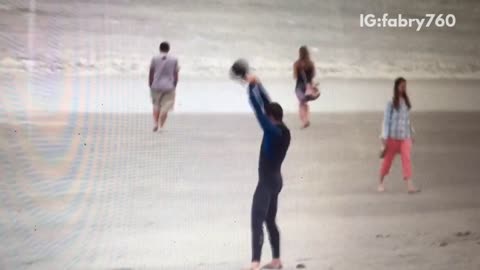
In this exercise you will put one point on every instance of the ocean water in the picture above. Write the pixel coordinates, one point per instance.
(95, 37)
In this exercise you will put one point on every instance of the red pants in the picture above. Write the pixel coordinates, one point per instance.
(394, 147)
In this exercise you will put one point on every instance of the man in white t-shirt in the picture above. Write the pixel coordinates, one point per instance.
(162, 80)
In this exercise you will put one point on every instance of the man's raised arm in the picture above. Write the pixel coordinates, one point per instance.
(254, 96)
(264, 95)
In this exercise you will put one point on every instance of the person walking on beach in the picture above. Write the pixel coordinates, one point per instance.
(397, 135)
(304, 73)
(274, 147)
(162, 80)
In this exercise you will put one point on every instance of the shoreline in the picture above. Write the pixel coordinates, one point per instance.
(292, 115)
(130, 95)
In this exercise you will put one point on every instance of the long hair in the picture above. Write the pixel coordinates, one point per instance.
(304, 61)
(397, 95)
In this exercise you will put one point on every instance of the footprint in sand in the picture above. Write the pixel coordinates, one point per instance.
(301, 266)
(459, 238)
(382, 236)
(463, 234)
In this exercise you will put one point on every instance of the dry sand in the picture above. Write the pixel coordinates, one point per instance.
(101, 191)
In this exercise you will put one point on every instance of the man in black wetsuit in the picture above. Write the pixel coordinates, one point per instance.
(275, 143)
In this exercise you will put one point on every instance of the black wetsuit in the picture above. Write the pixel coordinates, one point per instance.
(275, 143)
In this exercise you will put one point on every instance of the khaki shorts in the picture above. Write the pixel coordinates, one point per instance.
(163, 101)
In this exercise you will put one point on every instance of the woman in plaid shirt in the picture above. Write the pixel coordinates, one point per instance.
(397, 134)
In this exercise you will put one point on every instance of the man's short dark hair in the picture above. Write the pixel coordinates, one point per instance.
(164, 47)
(239, 69)
(274, 110)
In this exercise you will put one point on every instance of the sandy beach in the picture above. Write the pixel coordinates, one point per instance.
(86, 185)
(101, 191)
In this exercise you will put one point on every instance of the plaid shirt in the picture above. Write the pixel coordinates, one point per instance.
(396, 123)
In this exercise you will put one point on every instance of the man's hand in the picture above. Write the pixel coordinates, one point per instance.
(176, 76)
(384, 142)
(252, 79)
(150, 77)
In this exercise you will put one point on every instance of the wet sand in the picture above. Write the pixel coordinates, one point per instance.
(129, 94)
(101, 191)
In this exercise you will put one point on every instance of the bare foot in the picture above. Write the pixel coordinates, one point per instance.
(411, 188)
(381, 188)
(274, 264)
(254, 266)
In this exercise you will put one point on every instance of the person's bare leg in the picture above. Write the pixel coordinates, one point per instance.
(301, 113)
(381, 186)
(304, 115)
(156, 116)
(163, 119)
(307, 115)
